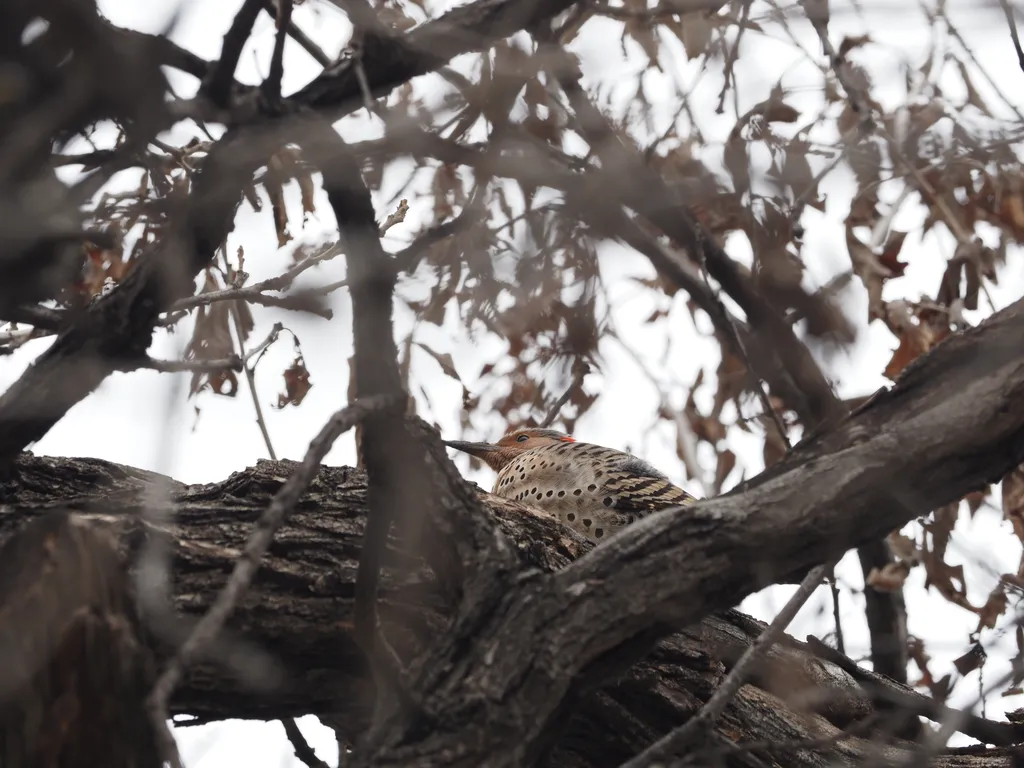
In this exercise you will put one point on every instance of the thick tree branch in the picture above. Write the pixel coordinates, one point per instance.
(402, 488)
(212, 624)
(74, 674)
(709, 714)
(392, 60)
(301, 605)
(954, 422)
(395, 463)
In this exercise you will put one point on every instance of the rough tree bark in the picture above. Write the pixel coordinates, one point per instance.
(301, 611)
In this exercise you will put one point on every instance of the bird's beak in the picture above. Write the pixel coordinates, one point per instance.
(473, 449)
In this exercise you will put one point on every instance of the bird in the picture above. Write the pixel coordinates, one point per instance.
(592, 489)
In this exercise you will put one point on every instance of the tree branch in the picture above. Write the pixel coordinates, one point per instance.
(284, 501)
(401, 485)
(738, 676)
(301, 604)
(953, 422)
(283, 19)
(392, 60)
(117, 329)
(217, 86)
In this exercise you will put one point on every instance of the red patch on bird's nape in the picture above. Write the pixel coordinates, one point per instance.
(567, 439)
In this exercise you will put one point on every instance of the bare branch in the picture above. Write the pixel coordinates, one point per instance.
(233, 363)
(1014, 36)
(303, 751)
(272, 85)
(270, 6)
(612, 602)
(218, 83)
(683, 737)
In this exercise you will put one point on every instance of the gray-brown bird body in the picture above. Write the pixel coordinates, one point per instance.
(591, 488)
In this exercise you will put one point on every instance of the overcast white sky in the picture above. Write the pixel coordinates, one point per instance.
(144, 419)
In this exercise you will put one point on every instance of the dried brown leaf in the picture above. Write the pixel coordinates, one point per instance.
(443, 359)
(849, 43)
(296, 384)
(889, 258)
(871, 271)
(994, 607)
(915, 340)
(970, 661)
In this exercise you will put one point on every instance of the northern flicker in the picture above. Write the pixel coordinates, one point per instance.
(590, 488)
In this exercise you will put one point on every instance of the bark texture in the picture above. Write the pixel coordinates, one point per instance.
(301, 612)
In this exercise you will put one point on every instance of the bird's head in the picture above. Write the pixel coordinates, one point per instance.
(497, 455)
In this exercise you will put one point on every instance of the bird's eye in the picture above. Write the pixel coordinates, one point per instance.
(522, 438)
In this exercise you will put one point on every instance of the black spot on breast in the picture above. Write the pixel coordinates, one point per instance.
(598, 533)
(571, 516)
(577, 492)
(534, 489)
(587, 522)
(549, 493)
(591, 487)
(561, 494)
(608, 501)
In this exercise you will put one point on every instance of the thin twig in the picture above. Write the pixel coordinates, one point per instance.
(683, 736)
(252, 295)
(272, 85)
(250, 375)
(300, 37)
(730, 60)
(741, 349)
(303, 751)
(263, 345)
(256, 293)
(556, 409)
(35, 315)
(1008, 10)
(955, 720)
(302, 301)
(836, 619)
(209, 627)
(941, 12)
(860, 104)
(232, 363)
